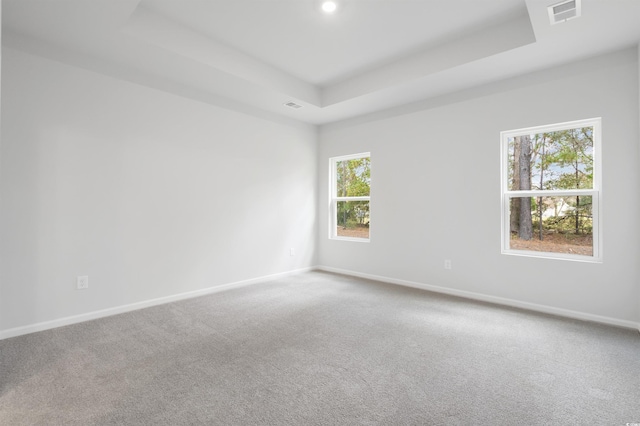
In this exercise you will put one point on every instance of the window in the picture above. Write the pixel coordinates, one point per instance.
(551, 191)
(350, 190)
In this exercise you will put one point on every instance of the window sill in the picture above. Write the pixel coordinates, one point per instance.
(356, 240)
(553, 256)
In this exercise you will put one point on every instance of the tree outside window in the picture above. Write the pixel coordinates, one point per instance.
(350, 197)
(551, 190)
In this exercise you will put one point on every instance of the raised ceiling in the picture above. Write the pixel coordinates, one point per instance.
(321, 49)
(256, 55)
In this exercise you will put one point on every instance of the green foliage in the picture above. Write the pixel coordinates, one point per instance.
(564, 215)
(559, 160)
(353, 180)
(354, 177)
(353, 213)
(572, 153)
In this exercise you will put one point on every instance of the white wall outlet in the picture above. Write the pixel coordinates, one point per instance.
(447, 264)
(83, 282)
(292, 252)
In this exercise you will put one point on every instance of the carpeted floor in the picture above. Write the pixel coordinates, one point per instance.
(323, 349)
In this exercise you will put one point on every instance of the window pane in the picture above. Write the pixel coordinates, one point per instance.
(566, 225)
(553, 160)
(353, 177)
(352, 219)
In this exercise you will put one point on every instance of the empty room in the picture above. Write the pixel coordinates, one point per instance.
(306, 212)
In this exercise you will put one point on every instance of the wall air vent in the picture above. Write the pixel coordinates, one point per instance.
(563, 11)
(292, 105)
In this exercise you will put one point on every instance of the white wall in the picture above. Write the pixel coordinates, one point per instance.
(141, 190)
(1, 291)
(435, 177)
(149, 194)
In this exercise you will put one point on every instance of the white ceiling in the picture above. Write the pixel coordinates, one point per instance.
(322, 49)
(255, 55)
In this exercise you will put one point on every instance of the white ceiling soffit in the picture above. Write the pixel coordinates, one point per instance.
(155, 29)
(163, 32)
(255, 56)
(501, 37)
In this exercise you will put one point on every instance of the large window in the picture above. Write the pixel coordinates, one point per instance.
(551, 191)
(350, 190)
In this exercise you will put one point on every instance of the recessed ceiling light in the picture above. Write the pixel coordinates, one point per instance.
(329, 6)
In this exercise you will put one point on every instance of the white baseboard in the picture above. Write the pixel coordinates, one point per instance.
(492, 299)
(47, 325)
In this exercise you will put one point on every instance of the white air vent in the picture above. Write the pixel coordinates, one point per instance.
(563, 11)
(293, 105)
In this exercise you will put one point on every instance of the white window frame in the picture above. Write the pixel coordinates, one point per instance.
(595, 192)
(333, 198)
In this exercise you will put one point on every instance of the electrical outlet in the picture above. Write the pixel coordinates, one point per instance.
(83, 282)
(447, 264)
(292, 252)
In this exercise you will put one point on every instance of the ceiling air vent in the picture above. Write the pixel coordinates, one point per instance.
(292, 105)
(563, 11)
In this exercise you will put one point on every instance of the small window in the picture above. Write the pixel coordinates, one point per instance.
(350, 190)
(551, 191)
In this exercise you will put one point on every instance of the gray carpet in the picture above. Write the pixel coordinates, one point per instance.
(323, 349)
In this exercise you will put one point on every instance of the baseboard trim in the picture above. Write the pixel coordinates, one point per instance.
(491, 299)
(60, 322)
